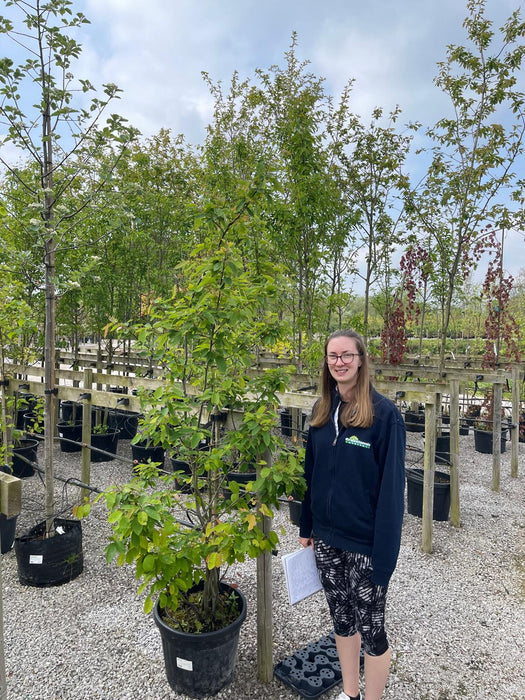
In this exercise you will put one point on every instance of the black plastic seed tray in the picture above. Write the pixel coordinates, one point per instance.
(313, 670)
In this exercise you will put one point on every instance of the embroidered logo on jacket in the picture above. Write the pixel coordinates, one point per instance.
(354, 440)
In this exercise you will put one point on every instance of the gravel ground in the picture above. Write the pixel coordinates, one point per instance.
(455, 617)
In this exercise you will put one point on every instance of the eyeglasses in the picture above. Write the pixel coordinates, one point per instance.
(346, 358)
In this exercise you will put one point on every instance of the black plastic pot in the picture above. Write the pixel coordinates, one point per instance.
(483, 441)
(70, 431)
(53, 560)
(286, 422)
(242, 478)
(415, 421)
(68, 408)
(441, 506)
(178, 465)
(7, 532)
(24, 449)
(125, 421)
(143, 452)
(107, 442)
(31, 424)
(295, 508)
(443, 448)
(199, 665)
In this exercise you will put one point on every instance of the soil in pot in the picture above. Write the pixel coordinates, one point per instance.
(199, 665)
(441, 506)
(50, 561)
(70, 431)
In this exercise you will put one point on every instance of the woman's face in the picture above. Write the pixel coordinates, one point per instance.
(343, 360)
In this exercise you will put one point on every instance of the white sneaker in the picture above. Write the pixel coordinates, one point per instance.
(343, 696)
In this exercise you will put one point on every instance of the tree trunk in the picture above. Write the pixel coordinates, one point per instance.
(49, 383)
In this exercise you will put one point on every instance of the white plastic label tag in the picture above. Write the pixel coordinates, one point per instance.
(36, 559)
(184, 664)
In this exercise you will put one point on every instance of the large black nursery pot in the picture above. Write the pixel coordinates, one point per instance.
(31, 424)
(67, 432)
(286, 422)
(441, 506)
(50, 561)
(7, 532)
(104, 441)
(125, 421)
(25, 449)
(294, 510)
(71, 411)
(241, 477)
(483, 441)
(143, 452)
(199, 665)
(415, 421)
(443, 448)
(179, 465)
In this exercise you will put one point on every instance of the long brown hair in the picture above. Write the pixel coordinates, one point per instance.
(359, 412)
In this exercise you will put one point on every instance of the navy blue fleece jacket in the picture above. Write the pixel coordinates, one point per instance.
(355, 486)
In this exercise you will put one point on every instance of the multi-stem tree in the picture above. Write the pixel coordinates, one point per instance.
(49, 118)
(294, 111)
(371, 161)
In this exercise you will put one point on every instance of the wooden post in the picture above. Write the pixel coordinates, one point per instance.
(514, 435)
(10, 495)
(86, 434)
(428, 476)
(10, 505)
(496, 436)
(264, 602)
(454, 453)
(297, 425)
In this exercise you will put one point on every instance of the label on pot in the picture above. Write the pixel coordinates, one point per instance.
(185, 664)
(36, 559)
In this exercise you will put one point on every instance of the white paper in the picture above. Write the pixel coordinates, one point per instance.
(302, 578)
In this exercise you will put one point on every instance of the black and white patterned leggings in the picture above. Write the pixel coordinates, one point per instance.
(356, 604)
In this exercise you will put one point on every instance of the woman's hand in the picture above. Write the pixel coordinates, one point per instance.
(306, 541)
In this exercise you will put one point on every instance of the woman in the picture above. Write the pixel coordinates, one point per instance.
(353, 508)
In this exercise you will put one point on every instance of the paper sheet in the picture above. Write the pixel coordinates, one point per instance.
(302, 578)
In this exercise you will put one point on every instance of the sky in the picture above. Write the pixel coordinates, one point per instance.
(156, 50)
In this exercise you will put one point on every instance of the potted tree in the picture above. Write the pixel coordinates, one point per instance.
(103, 438)
(206, 337)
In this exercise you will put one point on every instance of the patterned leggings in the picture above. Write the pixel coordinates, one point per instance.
(356, 604)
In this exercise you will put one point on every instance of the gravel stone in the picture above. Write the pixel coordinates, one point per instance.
(455, 617)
